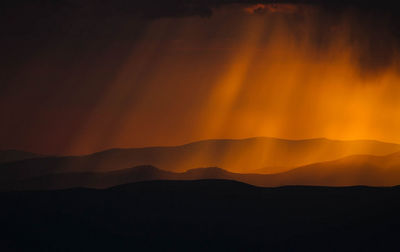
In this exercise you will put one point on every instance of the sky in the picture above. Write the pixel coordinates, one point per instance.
(84, 76)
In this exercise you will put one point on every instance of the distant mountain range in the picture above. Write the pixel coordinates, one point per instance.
(262, 154)
(354, 170)
(304, 162)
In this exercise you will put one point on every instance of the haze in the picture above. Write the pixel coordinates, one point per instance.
(286, 71)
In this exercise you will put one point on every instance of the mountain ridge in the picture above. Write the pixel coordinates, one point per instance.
(12, 155)
(267, 155)
(357, 170)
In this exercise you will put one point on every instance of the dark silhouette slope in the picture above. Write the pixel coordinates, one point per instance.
(91, 179)
(353, 170)
(109, 179)
(16, 155)
(246, 156)
(208, 215)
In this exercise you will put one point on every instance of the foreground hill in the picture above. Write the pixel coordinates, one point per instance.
(254, 155)
(349, 171)
(208, 215)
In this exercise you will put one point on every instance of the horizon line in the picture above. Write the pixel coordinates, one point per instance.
(202, 140)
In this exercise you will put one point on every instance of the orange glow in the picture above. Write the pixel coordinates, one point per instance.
(257, 77)
(232, 75)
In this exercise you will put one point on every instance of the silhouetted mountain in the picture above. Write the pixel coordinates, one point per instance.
(15, 155)
(353, 170)
(115, 178)
(349, 171)
(207, 215)
(245, 155)
(90, 179)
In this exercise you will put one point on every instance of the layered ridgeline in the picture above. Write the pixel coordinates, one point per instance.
(253, 155)
(287, 162)
(354, 170)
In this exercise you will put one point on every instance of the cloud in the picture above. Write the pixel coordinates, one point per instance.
(272, 8)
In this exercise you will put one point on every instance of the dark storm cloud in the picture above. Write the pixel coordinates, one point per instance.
(30, 19)
(31, 27)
